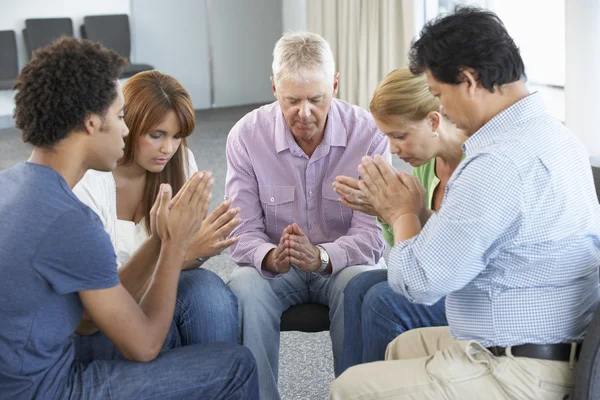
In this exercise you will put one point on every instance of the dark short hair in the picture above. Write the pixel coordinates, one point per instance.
(61, 85)
(468, 38)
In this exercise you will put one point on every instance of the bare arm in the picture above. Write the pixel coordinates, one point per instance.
(138, 331)
(136, 272)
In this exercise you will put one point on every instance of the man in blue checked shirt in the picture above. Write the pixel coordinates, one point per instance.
(515, 246)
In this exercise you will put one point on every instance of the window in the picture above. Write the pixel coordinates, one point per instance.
(538, 28)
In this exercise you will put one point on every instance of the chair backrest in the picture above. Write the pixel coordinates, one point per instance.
(9, 63)
(110, 30)
(596, 174)
(587, 372)
(43, 31)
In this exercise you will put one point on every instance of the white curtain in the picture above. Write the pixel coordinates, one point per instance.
(369, 38)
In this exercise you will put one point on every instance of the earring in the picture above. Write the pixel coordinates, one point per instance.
(435, 133)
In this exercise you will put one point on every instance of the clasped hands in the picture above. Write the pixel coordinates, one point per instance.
(294, 248)
(211, 238)
(382, 191)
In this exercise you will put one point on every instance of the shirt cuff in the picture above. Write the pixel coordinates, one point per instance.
(337, 257)
(259, 256)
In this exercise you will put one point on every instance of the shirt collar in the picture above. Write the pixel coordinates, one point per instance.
(503, 122)
(335, 132)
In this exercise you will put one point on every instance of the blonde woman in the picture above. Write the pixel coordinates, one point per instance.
(409, 115)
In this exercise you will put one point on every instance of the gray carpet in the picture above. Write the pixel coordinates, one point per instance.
(306, 363)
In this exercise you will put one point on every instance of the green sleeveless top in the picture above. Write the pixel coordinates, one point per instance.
(426, 174)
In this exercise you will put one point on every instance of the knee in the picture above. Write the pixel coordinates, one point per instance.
(355, 288)
(242, 361)
(245, 358)
(203, 287)
(343, 387)
(360, 284)
(379, 297)
(248, 284)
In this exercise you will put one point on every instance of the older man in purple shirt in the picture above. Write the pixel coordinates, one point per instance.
(297, 242)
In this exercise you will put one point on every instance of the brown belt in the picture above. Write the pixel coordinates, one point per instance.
(554, 352)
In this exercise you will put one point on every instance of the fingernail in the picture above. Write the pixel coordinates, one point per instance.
(212, 180)
(166, 188)
(200, 175)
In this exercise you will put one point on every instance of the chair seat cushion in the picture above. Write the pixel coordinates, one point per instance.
(309, 317)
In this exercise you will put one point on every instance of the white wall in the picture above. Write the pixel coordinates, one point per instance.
(294, 15)
(243, 34)
(13, 14)
(538, 28)
(173, 38)
(582, 78)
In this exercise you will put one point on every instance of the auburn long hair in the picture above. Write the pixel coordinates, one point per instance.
(149, 96)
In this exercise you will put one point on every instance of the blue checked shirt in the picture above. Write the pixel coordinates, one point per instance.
(516, 244)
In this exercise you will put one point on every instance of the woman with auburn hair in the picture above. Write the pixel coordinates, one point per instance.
(409, 115)
(160, 116)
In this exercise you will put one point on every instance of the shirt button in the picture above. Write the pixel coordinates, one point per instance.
(272, 199)
(310, 193)
(312, 225)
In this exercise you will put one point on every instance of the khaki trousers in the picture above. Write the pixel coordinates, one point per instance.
(429, 364)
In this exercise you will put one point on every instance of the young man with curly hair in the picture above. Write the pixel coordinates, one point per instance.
(56, 260)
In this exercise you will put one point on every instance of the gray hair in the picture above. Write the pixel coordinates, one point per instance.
(300, 55)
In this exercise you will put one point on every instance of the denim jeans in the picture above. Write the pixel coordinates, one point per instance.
(263, 300)
(374, 315)
(200, 358)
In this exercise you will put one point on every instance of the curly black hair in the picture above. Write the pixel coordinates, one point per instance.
(61, 85)
(468, 38)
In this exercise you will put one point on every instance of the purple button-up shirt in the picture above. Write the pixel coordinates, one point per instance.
(276, 184)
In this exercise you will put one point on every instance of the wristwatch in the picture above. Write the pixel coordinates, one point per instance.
(324, 259)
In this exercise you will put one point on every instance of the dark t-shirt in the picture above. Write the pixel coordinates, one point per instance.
(51, 246)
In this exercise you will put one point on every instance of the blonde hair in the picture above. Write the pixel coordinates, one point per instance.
(300, 55)
(403, 94)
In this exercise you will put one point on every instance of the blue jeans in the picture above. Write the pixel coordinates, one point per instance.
(374, 315)
(263, 300)
(200, 358)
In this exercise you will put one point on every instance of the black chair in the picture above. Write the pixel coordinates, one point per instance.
(308, 317)
(40, 32)
(113, 32)
(596, 174)
(9, 63)
(587, 372)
